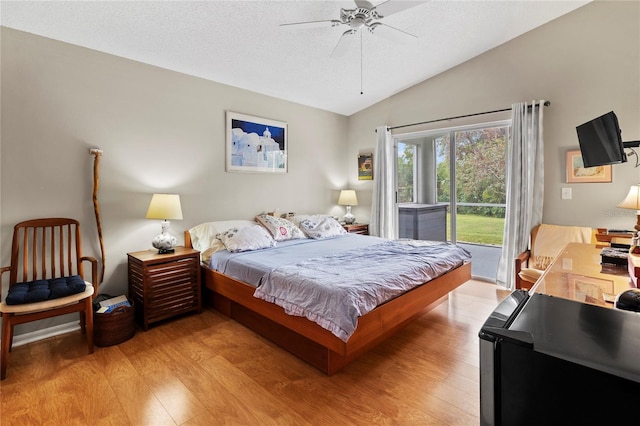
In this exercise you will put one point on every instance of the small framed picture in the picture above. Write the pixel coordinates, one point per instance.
(578, 173)
(365, 167)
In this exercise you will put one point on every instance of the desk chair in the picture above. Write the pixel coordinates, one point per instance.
(545, 243)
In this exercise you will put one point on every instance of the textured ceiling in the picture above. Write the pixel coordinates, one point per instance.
(240, 43)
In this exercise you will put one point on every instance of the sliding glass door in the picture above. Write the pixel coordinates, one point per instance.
(467, 176)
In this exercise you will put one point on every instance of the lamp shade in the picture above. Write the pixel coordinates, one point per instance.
(632, 201)
(165, 206)
(348, 198)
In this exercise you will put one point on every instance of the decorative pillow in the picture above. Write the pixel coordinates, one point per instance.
(279, 228)
(319, 227)
(204, 236)
(41, 290)
(253, 237)
(296, 219)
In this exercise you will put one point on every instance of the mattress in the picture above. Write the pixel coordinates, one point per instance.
(251, 266)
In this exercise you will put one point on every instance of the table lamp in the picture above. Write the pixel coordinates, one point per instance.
(165, 206)
(632, 201)
(348, 198)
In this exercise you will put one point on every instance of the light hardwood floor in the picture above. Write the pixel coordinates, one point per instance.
(206, 370)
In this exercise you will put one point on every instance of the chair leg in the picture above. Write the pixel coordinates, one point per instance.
(83, 322)
(88, 317)
(7, 337)
(11, 338)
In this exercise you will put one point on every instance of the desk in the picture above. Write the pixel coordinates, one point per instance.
(577, 274)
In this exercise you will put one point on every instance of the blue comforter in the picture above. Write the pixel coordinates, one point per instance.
(334, 289)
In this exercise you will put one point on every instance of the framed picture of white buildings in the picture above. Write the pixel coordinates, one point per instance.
(255, 144)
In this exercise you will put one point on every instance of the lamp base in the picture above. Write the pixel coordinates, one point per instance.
(164, 243)
(349, 218)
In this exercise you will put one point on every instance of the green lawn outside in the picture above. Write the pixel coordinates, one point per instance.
(477, 229)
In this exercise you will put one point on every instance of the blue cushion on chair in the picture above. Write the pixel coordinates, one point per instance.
(41, 290)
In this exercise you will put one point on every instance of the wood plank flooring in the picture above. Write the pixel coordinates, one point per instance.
(207, 370)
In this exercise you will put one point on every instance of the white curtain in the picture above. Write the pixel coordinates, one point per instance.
(525, 186)
(384, 212)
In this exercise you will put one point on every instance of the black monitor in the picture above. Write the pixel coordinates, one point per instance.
(601, 141)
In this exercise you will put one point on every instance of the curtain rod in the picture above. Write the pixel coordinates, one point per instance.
(546, 103)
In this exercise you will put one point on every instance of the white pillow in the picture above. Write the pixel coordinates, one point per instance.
(279, 228)
(319, 227)
(203, 236)
(253, 237)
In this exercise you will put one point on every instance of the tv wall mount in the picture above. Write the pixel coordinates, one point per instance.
(631, 145)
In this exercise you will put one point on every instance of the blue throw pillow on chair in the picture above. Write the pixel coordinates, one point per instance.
(41, 290)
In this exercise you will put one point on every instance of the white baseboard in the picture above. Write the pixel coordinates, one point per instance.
(34, 336)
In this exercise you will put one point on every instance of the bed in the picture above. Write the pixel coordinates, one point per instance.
(233, 292)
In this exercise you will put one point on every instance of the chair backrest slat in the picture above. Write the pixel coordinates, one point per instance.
(25, 259)
(69, 248)
(60, 258)
(43, 250)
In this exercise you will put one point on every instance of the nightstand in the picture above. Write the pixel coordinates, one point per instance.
(357, 228)
(164, 285)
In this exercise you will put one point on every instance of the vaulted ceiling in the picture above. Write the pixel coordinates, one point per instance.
(241, 43)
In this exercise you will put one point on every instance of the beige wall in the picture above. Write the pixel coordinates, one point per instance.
(586, 63)
(160, 131)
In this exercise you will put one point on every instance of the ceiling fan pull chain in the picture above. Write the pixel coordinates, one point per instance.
(361, 55)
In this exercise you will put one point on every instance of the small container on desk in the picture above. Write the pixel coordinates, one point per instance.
(634, 269)
(605, 237)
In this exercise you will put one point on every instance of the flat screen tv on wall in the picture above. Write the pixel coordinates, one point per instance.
(601, 141)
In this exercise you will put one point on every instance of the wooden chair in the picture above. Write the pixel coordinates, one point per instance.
(47, 249)
(545, 243)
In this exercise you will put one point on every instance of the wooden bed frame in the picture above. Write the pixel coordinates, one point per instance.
(306, 339)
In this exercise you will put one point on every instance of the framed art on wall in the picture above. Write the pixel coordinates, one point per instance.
(577, 173)
(365, 167)
(255, 144)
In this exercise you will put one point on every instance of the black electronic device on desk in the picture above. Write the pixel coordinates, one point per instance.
(617, 254)
(549, 360)
(628, 300)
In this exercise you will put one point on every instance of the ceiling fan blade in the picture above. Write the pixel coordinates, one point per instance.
(346, 40)
(390, 7)
(311, 24)
(363, 3)
(392, 33)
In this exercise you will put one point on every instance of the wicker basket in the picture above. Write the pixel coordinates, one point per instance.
(114, 327)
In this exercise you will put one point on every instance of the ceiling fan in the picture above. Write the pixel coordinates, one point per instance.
(364, 17)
